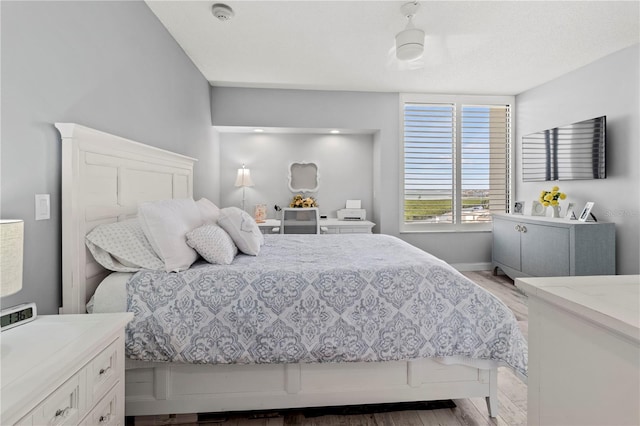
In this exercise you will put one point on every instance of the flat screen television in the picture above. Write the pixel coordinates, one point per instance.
(571, 152)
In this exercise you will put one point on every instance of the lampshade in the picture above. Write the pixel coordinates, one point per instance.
(11, 249)
(244, 177)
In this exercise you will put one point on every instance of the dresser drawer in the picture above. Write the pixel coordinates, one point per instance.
(108, 412)
(356, 230)
(103, 372)
(65, 405)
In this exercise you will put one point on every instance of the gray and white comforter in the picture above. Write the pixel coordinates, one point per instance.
(328, 298)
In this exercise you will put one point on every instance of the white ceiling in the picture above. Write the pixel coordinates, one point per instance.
(472, 47)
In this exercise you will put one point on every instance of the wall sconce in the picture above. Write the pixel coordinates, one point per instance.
(243, 179)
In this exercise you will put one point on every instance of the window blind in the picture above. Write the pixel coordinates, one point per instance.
(456, 162)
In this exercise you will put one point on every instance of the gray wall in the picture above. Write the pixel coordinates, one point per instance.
(345, 168)
(378, 112)
(107, 65)
(608, 87)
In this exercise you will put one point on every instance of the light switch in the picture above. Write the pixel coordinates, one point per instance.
(43, 207)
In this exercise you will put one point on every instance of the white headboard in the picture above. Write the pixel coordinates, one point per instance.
(104, 177)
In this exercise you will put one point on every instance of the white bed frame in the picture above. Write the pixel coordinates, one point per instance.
(104, 177)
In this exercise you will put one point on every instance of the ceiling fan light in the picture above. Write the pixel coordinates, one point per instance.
(409, 44)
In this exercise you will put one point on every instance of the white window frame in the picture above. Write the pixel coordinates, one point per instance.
(458, 101)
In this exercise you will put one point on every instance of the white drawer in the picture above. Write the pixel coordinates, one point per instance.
(65, 405)
(103, 372)
(355, 230)
(108, 411)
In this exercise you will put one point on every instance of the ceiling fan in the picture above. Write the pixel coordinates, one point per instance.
(406, 53)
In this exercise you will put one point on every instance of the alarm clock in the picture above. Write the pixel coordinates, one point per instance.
(17, 315)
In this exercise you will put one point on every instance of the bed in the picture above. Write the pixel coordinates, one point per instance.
(104, 179)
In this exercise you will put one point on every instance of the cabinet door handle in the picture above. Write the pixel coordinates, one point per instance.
(103, 371)
(524, 228)
(518, 228)
(104, 419)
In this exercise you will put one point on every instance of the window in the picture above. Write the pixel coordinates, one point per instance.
(456, 161)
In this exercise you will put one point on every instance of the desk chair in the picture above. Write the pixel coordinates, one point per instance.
(304, 220)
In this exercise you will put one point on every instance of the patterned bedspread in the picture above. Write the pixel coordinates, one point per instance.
(328, 298)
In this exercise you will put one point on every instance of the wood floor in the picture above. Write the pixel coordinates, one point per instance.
(512, 392)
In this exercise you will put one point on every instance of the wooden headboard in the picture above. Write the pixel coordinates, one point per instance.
(104, 178)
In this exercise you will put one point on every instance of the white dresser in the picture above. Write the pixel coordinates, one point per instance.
(64, 370)
(584, 350)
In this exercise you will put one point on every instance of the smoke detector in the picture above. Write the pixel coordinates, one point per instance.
(222, 12)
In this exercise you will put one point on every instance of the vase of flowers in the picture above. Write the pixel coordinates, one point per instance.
(552, 198)
(300, 201)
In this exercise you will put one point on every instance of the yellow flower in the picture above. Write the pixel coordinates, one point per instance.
(546, 204)
(555, 189)
(554, 202)
(563, 196)
(548, 197)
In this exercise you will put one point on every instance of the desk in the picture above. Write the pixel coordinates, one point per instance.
(329, 226)
(584, 350)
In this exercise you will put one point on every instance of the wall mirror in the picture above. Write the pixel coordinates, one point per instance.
(303, 177)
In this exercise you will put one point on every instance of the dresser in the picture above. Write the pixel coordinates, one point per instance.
(64, 370)
(327, 226)
(528, 246)
(584, 350)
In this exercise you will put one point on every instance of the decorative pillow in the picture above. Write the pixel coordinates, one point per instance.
(165, 224)
(242, 228)
(209, 211)
(122, 247)
(213, 244)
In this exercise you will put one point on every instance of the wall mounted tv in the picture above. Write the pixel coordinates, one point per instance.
(575, 151)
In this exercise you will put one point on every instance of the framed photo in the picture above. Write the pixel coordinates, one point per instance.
(518, 207)
(260, 213)
(570, 214)
(537, 209)
(586, 211)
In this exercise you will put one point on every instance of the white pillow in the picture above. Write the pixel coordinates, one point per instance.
(122, 247)
(242, 228)
(213, 244)
(165, 224)
(208, 210)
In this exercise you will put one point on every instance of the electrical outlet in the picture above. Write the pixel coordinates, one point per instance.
(43, 207)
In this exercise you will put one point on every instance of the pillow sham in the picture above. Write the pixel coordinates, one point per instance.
(209, 211)
(242, 229)
(165, 224)
(122, 247)
(213, 244)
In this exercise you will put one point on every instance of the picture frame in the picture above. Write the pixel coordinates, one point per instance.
(570, 213)
(518, 207)
(260, 213)
(537, 209)
(586, 211)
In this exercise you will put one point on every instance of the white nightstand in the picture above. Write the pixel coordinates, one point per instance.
(64, 370)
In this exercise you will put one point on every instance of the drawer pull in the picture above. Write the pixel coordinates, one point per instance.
(104, 419)
(103, 371)
(518, 228)
(62, 413)
(524, 228)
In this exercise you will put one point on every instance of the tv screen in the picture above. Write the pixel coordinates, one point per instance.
(575, 151)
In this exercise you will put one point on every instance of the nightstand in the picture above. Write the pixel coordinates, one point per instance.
(64, 370)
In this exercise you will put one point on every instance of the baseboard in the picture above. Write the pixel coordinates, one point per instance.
(466, 267)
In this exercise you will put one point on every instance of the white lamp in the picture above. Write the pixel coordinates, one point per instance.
(11, 249)
(243, 179)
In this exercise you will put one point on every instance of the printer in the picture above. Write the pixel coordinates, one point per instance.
(352, 214)
(352, 211)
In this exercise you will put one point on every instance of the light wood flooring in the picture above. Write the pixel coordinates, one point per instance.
(512, 392)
